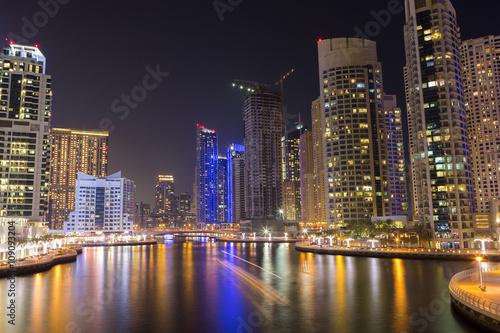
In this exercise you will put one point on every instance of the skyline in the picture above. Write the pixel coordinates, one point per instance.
(83, 94)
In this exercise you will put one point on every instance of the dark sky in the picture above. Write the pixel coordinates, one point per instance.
(98, 50)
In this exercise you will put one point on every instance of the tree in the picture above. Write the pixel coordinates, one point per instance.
(423, 234)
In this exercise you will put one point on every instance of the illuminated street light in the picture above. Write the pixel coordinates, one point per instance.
(397, 244)
(319, 240)
(348, 241)
(254, 236)
(480, 274)
(372, 241)
(331, 240)
(286, 236)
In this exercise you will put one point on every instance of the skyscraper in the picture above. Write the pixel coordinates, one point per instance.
(397, 194)
(307, 177)
(481, 76)
(236, 183)
(165, 194)
(102, 204)
(263, 126)
(439, 148)
(222, 190)
(206, 175)
(291, 173)
(25, 111)
(356, 137)
(72, 150)
(319, 167)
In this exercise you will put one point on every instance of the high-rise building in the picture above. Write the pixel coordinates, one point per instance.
(104, 204)
(236, 183)
(72, 150)
(290, 204)
(183, 203)
(439, 148)
(397, 194)
(263, 124)
(320, 197)
(356, 138)
(143, 212)
(306, 177)
(481, 81)
(165, 194)
(25, 112)
(222, 190)
(206, 175)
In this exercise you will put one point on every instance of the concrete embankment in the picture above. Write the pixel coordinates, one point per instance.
(478, 306)
(37, 265)
(403, 254)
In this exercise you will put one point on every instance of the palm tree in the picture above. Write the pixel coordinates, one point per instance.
(423, 234)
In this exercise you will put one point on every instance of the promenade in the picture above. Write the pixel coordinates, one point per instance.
(403, 253)
(257, 240)
(481, 307)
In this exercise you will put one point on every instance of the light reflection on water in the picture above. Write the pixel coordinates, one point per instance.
(190, 285)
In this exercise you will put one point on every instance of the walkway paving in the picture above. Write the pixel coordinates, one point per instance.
(490, 279)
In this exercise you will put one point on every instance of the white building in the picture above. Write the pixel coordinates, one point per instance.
(102, 204)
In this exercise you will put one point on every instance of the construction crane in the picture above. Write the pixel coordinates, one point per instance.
(280, 82)
(258, 86)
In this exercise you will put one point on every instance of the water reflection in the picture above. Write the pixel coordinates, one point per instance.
(190, 285)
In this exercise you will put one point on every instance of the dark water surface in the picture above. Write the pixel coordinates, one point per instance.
(191, 285)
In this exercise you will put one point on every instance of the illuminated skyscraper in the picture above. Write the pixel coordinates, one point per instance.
(25, 111)
(72, 150)
(307, 177)
(263, 126)
(165, 194)
(236, 183)
(397, 194)
(206, 176)
(356, 134)
(320, 199)
(439, 149)
(222, 190)
(291, 174)
(481, 75)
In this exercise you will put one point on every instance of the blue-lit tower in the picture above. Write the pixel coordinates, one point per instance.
(222, 191)
(236, 182)
(206, 176)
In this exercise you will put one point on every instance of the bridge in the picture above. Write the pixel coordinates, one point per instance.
(189, 232)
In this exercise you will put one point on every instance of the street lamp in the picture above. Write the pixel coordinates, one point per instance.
(372, 241)
(397, 244)
(480, 274)
(254, 236)
(348, 241)
(483, 241)
(319, 240)
(331, 240)
(286, 236)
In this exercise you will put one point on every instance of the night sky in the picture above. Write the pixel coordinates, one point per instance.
(98, 50)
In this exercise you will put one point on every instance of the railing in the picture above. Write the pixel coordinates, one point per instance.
(470, 298)
(47, 258)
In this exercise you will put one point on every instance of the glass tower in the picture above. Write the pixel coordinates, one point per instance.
(206, 176)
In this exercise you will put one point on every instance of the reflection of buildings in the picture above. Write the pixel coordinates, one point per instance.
(439, 150)
(104, 204)
(25, 111)
(206, 175)
(291, 174)
(72, 150)
(236, 183)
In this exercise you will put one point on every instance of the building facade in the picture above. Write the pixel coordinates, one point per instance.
(291, 173)
(236, 183)
(355, 140)
(206, 176)
(320, 195)
(25, 112)
(164, 194)
(102, 204)
(222, 190)
(307, 178)
(443, 197)
(72, 150)
(481, 81)
(263, 128)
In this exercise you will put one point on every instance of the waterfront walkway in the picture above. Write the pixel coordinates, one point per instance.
(481, 307)
(404, 253)
(257, 240)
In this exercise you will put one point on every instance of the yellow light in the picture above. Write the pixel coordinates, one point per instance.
(479, 259)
